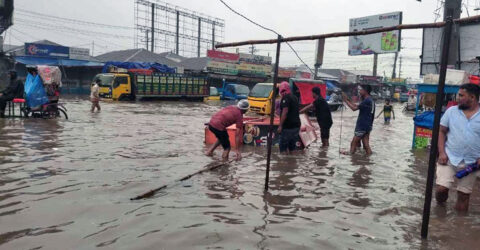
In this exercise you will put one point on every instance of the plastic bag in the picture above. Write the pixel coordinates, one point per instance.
(35, 94)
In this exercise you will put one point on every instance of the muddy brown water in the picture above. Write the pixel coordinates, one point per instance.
(67, 184)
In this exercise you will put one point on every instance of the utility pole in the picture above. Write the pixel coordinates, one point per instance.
(375, 61)
(153, 28)
(177, 35)
(394, 73)
(199, 35)
(146, 40)
(252, 50)
(400, 68)
(213, 35)
(319, 56)
(455, 7)
(93, 48)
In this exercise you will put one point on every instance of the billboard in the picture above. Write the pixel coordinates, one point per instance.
(379, 43)
(250, 69)
(222, 56)
(468, 46)
(44, 50)
(225, 68)
(79, 53)
(255, 59)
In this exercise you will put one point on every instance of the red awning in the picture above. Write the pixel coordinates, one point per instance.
(305, 89)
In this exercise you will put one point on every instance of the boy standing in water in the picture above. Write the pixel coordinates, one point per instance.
(387, 112)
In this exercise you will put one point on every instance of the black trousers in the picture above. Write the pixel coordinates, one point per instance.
(3, 103)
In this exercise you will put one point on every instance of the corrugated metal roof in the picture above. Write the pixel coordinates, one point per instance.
(137, 55)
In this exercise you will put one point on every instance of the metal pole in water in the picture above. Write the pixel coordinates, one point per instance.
(436, 124)
(272, 112)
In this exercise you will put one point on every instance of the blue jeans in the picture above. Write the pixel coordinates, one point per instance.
(288, 139)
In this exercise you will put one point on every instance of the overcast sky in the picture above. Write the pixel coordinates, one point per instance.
(290, 18)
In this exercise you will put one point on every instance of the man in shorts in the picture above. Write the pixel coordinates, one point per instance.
(221, 121)
(323, 114)
(458, 146)
(364, 121)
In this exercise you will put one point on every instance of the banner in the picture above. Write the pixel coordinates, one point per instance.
(254, 69)
(222, 67)
(222, 56)
(33, 49)
(385, 42)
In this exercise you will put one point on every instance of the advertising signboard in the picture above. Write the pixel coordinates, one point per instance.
(254, 69)
(385, 42)
(222, 56)
(79, 53)
(44, 50)
(222, 67)
(469, 49)
(423, 137)
(255, 59)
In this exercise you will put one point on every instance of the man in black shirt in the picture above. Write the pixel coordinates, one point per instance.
(289, 127)
(323, 114)
(13, 90)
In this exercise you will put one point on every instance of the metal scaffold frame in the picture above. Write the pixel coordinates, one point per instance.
(176, 29)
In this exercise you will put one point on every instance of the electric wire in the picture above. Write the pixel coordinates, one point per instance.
(268, 29)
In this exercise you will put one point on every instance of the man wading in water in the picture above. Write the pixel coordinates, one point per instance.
(289, 127)
(221, 121)
(323, 114)
(364, 120)
(458, 146)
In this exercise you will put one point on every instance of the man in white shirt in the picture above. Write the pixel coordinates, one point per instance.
(95, 96)
(458, 146)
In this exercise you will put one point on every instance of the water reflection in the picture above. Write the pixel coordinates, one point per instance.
(83, 171)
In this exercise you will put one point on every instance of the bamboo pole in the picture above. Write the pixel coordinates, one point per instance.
(272, 113)
(353, 33)
(436, 127)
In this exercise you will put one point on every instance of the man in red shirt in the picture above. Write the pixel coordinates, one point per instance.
(221, 121)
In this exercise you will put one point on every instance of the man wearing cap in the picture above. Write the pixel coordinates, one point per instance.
(221, 121)
(13, 90)
(289, 127)
(364, 121)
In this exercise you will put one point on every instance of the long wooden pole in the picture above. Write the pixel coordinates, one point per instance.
(353, 33)
(436, 126)
(272, 113)
(203, 170)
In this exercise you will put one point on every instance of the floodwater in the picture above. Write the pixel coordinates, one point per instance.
(68, 184)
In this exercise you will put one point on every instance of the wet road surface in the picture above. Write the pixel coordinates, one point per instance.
(67, 185)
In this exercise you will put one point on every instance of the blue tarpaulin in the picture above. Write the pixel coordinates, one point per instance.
(425, 119)
(35, 94)
(30, 60)
(331, 86)
(139, 65)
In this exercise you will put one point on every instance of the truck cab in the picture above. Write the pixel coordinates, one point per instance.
(260, 98)
(116, 86)
(234, 91)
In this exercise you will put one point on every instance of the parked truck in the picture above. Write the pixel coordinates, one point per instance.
(146, 84)
(233, 91)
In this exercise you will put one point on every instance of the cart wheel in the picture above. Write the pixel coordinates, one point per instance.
(61, 111)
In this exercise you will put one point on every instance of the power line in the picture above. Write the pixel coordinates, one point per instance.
(265, 28)
(43, 15)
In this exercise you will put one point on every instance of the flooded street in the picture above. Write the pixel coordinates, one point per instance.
(67, 185)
